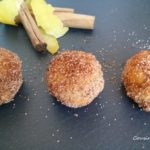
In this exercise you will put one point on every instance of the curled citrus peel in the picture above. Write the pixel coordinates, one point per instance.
(45, 18)
(51, 41)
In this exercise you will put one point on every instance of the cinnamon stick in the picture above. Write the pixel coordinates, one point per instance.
(61, 9)
(73, 20)
(31, 28)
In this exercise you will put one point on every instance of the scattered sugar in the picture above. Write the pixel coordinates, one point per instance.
(76, 115)
(25, 114)
(46, 116)
(131, 118)
(58, 141)
(104, 117)
(57, 130)
(14, 106)
(97, 114)
(53, 104)
(28, 99)
(143, 147)
(115, 119)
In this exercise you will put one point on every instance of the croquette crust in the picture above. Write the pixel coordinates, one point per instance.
(136, 78)
(10, 75)
(75, 78)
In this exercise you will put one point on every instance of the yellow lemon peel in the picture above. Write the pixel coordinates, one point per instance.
(9, 10)
(52, 43)
(46, 20)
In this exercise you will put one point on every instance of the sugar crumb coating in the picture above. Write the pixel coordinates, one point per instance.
(75, 78)
(136, 78)
(10, 75)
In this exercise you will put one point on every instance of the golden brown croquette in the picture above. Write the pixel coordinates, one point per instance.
(10, 75)
(136, 78)
(75, 78)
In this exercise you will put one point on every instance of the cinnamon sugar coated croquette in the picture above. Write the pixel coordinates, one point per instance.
(75, 78)
(136, 78)
(10, 75)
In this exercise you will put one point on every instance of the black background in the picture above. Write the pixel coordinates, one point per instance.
(35, 121)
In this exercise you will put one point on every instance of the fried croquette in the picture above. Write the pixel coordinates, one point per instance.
(136, 78)
(10, 75)
(75, 78)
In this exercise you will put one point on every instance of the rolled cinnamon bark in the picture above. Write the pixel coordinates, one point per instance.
(61, 9)
(31, 28)
(74, 20)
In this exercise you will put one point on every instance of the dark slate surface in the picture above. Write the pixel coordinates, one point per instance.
(34, 121)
